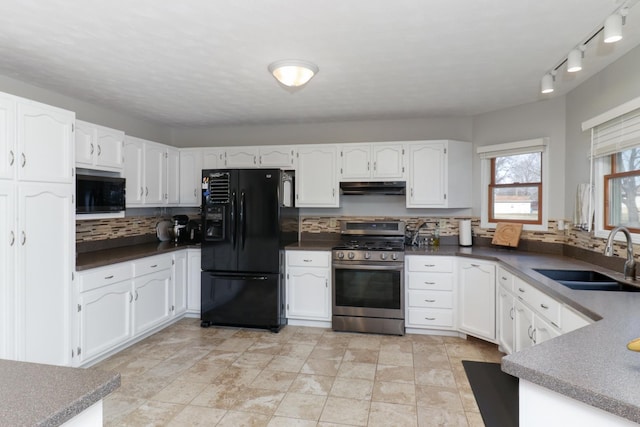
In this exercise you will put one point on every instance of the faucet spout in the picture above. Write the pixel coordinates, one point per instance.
(630, 264)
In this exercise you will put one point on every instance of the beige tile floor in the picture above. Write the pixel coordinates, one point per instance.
(189, 376)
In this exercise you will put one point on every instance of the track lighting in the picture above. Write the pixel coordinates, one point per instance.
(574, 60)
(613, 28)
(547, 83)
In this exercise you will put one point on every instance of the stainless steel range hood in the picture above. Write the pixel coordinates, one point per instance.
(373, 187)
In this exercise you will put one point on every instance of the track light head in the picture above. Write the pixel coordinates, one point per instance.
(546, 84)
(574, 60)
(613, 28)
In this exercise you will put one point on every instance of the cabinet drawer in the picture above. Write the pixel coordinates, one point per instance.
(148, 265)
(430, 281)
(431, 299)
(431, 317)
(539, 301)
(505, 279)
(98, 277)
(308, 258)
(439, 264)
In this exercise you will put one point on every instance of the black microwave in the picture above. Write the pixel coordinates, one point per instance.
(99, 194)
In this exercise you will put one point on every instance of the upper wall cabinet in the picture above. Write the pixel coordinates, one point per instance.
(99, 147)
(149, 173)
(382, 162)
(439, 174)
(8, 150)
(190, 177)
(212, 158)
(277, 156)
(241, 157)
(316, 176)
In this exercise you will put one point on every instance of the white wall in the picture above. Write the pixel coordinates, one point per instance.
(87, 111)
(529, 121)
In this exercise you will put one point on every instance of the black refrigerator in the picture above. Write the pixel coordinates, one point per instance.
(247, 219)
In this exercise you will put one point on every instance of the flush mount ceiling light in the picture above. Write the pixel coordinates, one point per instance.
(547, 83)
(293, 73)
(574, 60)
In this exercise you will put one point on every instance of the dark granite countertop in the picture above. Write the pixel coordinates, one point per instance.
(101, 258)
(45, 395)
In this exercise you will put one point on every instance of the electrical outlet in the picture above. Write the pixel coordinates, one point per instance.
(333, 222)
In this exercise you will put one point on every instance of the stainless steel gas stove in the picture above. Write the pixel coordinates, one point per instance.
(368, 278)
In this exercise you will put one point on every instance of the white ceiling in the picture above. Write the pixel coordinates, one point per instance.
(204, 62)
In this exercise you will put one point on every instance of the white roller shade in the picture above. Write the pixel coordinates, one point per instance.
(512, 148)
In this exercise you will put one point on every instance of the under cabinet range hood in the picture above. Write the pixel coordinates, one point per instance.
(373, 187)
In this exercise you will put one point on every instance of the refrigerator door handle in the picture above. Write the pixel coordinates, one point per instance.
(232, 216)
(243, 218)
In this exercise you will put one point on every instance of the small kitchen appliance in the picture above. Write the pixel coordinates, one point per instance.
(368, 278)
(180, 228)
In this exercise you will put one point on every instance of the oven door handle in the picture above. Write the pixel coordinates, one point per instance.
(353, 266)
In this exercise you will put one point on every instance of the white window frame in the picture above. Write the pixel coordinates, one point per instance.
(487, 152)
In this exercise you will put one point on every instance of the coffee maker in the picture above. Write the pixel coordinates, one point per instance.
(180, 228)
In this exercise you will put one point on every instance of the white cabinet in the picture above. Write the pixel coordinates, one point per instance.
(572, 320)
(151, 300)
(439, 174)
(372, 161)
(99, 147)
(506, 320)
(241, 157)
(277, 156)
(316, 177)
(193, 287)
(523, 326)
(477, 298)
(179, 287)
(212, 158)
(190, 177)
(152, 171)
(37, 223)
(430, 292)
(308, 285)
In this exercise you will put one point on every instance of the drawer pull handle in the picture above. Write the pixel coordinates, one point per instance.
(429, 265)
(307, 260)
(429, 318)
(546, 307)
(521, 290)
(503, 278)
(429, 300)
(475, 265)
(154, 265)
(108, 277)
(511, 313)
(554, 325)
(429, 283)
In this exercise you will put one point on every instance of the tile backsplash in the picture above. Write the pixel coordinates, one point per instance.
(114, 228)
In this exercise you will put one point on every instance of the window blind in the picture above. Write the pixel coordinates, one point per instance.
(616, 135)
(512, 148)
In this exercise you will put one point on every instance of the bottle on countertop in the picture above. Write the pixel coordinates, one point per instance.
(436, 236)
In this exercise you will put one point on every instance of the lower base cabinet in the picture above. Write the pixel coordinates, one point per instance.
(308, 285)
(477, 299)
(151, 300)
(193, 281)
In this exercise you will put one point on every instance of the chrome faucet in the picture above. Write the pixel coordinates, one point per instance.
(630, 264)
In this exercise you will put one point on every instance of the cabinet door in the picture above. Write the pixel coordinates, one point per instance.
(477, 292)
(85, 144)
(245, 157)
(426, 179)
(543, 330)
(506, 320)
(45, 143)
(212, 158)
(151, 300)
(110, 143)
(190, 178)
(308, 293)
(46, 256)
(316, 178)
(7, 270)
(179, 282)
(155, 171)
(388, 161)
(105, 319)
(523, 326)
(193, 289)
(276, 157)
(134, 171)
(356, 162)
(173, 176)
(8, 153)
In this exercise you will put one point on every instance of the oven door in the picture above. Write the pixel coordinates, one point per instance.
(371, 290)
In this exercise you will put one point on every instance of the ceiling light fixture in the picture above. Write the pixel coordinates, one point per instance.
(574, 60)
(293, 73)
(613, 28)
(546, 84)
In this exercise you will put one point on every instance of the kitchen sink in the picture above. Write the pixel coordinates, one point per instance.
(587, 280)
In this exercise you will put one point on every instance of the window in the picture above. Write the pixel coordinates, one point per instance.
(622, 191)
(515, 191)
(513, 183)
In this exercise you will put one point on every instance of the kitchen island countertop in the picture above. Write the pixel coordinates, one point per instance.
(43, 395)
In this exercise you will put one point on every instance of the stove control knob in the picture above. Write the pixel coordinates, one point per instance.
(340, 255)
(383, 255)
(394, 256)
(351, 255)
(367, 255)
